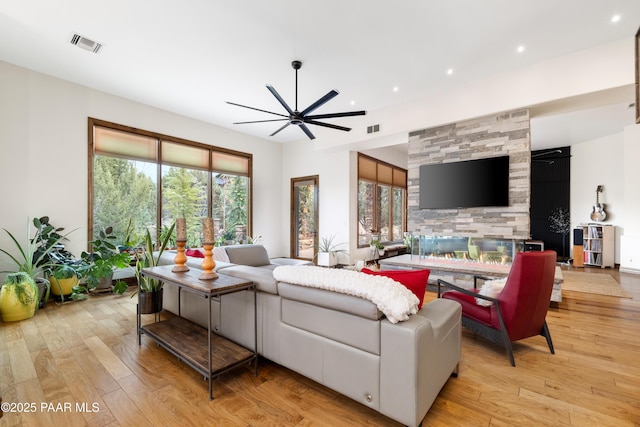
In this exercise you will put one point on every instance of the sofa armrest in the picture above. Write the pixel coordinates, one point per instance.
(417, 357)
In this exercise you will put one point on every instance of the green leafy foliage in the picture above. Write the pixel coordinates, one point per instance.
(23, 286)
(149, 259)
(103, 258)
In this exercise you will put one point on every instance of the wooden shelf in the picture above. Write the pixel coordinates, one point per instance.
(188, 342)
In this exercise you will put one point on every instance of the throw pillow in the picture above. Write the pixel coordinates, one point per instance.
(194, 253)
(490, 288)
(414, 280)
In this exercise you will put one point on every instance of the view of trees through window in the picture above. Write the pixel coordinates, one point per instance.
(381, 200)
(126, 192)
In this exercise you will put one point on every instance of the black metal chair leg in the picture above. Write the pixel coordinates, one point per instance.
(547, 335)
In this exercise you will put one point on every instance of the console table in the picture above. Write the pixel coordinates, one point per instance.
(452, 270)
(206, 352)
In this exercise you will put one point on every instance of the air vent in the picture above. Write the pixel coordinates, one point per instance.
(373, 129)
(85, 43)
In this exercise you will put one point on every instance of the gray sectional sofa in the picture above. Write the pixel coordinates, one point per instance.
(341, 341)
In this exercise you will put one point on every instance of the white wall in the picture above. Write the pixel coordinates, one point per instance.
(630, 240)
(599, 162)
(44, 152)
(301, 159)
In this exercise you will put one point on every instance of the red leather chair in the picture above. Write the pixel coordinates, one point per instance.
(519, 311)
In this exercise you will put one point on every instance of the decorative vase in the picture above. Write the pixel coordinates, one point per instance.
(18, 297)
(150, 302)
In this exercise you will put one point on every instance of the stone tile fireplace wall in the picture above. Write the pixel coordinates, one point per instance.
(495, 135)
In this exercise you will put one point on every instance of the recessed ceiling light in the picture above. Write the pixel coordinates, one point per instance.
(615, 18)
(395, 88)
(450, 71)
(353, 102)
(520, 49)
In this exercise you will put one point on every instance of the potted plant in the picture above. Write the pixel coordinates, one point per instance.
(33, 258)
(229, 236)
(65, 280)
(327, 253)
(150, 290)
(18, 297)
(103, 259)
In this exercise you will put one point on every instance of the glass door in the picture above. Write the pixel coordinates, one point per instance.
(304, 217)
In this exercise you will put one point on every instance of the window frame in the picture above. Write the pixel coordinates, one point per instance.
(159, 140)
(397, 180)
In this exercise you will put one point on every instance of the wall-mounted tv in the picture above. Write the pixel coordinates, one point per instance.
(467, 184)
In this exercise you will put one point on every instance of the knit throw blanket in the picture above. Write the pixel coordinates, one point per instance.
(391, 297)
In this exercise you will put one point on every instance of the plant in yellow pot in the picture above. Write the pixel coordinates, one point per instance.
(19, 297)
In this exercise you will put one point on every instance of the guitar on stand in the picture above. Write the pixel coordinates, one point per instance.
(598, 214)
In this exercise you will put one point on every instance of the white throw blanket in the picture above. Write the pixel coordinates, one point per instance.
(392, 298)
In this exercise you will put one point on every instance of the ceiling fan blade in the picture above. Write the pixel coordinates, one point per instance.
(284, 126)
(257, 109)
(279, 98)
(306, 130)
(259, 121)
(327, 125)
(332, 115)
(329, 96)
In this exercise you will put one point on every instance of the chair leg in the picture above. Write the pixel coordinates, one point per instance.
(505, 336)
(545, 333)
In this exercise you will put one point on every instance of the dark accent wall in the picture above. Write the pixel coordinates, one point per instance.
(550, 190)
(494, 135)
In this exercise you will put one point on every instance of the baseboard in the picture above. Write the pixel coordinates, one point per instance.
(629, 270)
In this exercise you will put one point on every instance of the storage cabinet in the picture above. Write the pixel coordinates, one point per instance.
(598, 245)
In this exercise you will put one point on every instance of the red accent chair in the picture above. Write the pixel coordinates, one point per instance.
(519, 310)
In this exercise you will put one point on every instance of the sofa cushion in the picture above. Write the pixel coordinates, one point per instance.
(196, 253)
(254, 255)
(414, 280)
(261, 277)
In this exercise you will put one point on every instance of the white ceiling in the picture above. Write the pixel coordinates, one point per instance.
(189, 57)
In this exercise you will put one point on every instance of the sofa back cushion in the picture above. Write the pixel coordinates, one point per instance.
(253, 255)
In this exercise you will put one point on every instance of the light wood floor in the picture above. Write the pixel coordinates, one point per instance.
(86, 353)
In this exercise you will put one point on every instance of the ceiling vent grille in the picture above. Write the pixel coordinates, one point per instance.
(373, 129)
(85, 43)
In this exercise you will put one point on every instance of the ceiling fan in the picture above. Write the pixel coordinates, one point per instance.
(302, 118)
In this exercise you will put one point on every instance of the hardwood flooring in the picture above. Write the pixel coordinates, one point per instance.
(80, 364)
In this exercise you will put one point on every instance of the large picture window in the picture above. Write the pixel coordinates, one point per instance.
(139, 181)
(382, 200)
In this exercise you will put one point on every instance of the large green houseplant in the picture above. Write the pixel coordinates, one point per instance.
(18, 297)
(33, 257)
(150, 290)
(101, 262)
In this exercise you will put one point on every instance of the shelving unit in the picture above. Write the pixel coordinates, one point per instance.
(598, 245)
(208, 353)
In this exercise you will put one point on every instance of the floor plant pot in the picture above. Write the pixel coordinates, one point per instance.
(18, 297)
(105, 283)
(62, 287)
(150, 302)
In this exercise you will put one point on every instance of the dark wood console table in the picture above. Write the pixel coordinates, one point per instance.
(206, 352)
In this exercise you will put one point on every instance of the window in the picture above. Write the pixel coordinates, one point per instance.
(382, 200)
(149, 180)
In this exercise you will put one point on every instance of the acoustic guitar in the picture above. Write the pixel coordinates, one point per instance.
(598, 213)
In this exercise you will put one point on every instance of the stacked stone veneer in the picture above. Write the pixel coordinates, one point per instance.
(490, 136)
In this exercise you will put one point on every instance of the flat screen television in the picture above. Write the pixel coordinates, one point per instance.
(467, 184)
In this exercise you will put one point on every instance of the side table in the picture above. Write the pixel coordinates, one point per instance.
(206, 352)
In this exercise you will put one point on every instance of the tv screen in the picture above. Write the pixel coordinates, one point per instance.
(468, 184)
